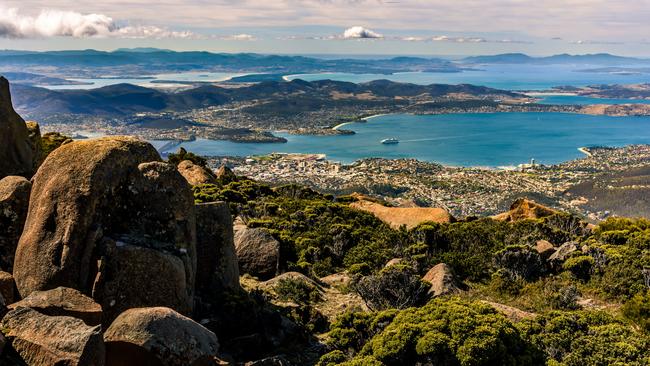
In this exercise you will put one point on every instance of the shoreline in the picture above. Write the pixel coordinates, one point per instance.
(337, 127)
(585, 151)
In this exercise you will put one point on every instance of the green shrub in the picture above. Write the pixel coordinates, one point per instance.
(182, 154)
(580, 266)
(447, 332)
(360, 268)
(51, 141)
(296, 290)
(394, 287)
(333, 358)
(638, 310)
(587, 338)
(503, 282)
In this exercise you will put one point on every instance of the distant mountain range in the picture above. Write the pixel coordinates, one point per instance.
(147, 61)
(125, 99)
(592, 59)
(151, 60)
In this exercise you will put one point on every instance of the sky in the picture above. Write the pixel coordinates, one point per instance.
(337, 27)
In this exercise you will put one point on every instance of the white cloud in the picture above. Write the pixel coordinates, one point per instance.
(358, 32)
(56, 23)
(591, 42)
(238, 37)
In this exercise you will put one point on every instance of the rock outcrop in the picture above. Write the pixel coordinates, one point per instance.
(217, 266)
(196, 174)
(407, 216)
(225, 175)
(442, 280)
(107, 218)
(544, 248)
(393, 262)
(158, 336)
(524, 209)
(562, 254)
(257, 251)
(43, 340)
(14, 201)
(15, 150)
(63, 301)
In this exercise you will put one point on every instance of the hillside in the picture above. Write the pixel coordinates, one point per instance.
(124, 99)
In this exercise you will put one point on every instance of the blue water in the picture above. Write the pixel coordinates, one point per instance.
(509, 77)
(184, 76)
(499, 139)
(580, 100)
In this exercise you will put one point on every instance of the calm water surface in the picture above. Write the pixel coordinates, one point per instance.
(498, 139)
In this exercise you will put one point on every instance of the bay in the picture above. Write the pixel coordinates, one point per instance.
(470, 139)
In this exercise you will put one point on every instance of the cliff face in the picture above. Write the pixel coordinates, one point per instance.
(15, 148)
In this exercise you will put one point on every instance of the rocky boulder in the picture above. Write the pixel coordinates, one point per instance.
(225, 175)
(394, 262)
(15, 150)
(442, 280)
(217, 266)
(525, 209)
(14, 202)
(257, 251)
(43, 340)
(196, 174)
(63, 301)
(159, 336)
(562, 254)
(108, 219)
(544, 248)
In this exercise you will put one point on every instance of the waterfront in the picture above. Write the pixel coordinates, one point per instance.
(475, 139)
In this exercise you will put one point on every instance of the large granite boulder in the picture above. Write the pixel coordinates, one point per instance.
(442, 280)
(14, 202)
(108, 218)
(217, 266)
(257, 251)
(63, 301)
(15, 150)
(159, 336)
(43, 340)
(196, 174)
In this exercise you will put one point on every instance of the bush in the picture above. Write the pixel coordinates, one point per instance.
(446, 332)
(586, 338)
(182, 155)
(580, 266)
(503, 282)
(394, 287)
(296, 290)
(520, 261)
(51, 141)
(638, 310)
